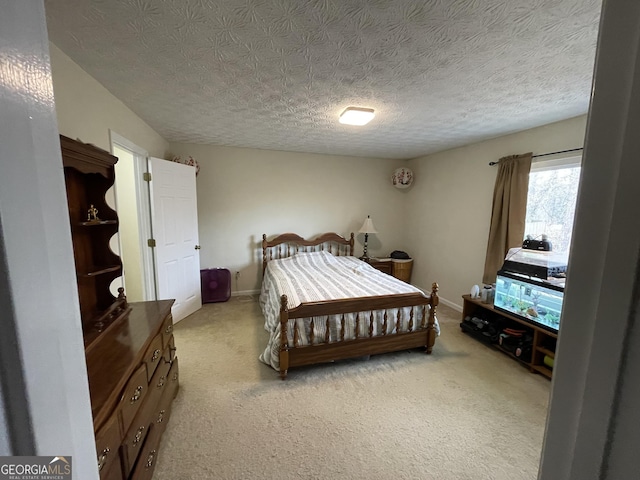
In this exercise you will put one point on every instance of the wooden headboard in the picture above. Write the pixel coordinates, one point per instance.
(289, 244)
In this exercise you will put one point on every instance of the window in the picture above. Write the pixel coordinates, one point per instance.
(551, 202)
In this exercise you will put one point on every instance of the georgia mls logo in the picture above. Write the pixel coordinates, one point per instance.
(60, 466)
(35, 468)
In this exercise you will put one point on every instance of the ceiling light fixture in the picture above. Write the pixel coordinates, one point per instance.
(357, 115)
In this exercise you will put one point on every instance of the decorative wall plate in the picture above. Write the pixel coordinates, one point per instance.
(402, 178)
(188, 161)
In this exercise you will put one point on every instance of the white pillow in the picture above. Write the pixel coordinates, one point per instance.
(320, 253)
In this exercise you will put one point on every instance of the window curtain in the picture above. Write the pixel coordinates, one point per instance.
(508, 213)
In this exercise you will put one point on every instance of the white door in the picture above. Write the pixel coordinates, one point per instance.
(174, 217)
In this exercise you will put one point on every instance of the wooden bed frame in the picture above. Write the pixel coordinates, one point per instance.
(292, 354)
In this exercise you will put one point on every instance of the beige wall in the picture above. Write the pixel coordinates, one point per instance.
(86, 110)
(243, 193)
(450, 204)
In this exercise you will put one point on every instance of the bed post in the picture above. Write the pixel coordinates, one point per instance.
(431, 329)
(351, 244)
(284, 344)
(264, 253)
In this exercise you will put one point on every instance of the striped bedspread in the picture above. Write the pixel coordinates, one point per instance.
(315, 276)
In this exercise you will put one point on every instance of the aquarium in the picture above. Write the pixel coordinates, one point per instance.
(536, 301)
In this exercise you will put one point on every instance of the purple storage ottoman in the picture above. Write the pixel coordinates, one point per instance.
(215, 285)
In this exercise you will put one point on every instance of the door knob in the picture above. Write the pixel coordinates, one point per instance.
(197, 247)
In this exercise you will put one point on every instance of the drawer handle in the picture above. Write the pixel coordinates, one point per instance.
(151, 458)
(169, 329)
(156, 355)
(160, 416)
(138, 436)
(136, 394)
(161, 382)
(102, 459)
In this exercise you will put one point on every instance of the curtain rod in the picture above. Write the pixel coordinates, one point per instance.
(491, 164)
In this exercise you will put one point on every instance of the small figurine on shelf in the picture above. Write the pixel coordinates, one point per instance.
(92, 214)
(122, 297)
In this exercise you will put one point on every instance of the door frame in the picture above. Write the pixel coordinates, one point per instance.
(143, 205)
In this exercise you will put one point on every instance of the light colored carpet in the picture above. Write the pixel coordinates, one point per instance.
(465, 412)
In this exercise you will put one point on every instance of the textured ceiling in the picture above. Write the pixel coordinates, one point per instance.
(275, 74)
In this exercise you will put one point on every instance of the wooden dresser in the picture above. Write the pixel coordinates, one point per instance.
(133, 378)
(129, 347)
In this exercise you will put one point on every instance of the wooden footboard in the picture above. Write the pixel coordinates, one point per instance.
(293, 354)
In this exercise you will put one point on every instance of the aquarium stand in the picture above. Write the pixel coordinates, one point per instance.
(528, 343)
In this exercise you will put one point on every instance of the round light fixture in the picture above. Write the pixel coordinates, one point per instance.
(402, 178)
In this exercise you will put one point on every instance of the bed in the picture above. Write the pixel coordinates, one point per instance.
(322, 304)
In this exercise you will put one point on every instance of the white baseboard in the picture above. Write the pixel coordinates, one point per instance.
(240, 293)
(448, 303)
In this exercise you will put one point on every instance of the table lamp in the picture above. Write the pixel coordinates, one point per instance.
(367, 228)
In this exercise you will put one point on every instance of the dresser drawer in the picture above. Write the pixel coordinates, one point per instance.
(167, 330)
(159, 383)
(162, 416)
(114, 472)
(133, 396)
(153, 356)
(174, 377)
(108, 441)
(152, 418)
(133, 441)
(146, 415)
(163, 410)
(170, 350)
(148, 456)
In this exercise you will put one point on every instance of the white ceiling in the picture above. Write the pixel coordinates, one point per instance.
(275, 74)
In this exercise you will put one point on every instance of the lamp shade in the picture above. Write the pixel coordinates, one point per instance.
(367, 226)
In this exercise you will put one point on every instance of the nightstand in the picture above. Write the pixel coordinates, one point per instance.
(379, 264)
